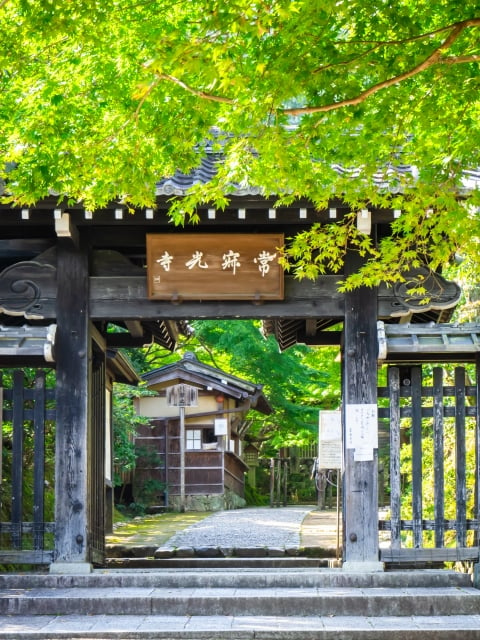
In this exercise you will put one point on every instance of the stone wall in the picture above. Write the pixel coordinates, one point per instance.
(213, 502)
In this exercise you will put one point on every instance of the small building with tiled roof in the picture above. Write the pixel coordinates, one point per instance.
(191, 449)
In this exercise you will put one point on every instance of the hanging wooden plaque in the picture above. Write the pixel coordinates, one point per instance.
(214, 267)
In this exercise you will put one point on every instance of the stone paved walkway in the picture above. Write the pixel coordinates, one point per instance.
(260, 527)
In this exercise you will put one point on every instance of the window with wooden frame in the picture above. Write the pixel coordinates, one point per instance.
(193, 438)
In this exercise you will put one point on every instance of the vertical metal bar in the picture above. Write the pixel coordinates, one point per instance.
(417, 508)
(438, 454)
(17, 459)
(39, 460)
(460, 472)
(395, 486)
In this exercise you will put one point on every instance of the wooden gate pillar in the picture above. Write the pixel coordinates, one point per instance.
(73, 356)
(360, 482)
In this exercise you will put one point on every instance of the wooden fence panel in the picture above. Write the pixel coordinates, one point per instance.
(22, 537)
(423, 410)
(395, 477)
(17, 459)
(460, 467)
(438, 460)
(97, 457)
(39, 457)
(417, 475)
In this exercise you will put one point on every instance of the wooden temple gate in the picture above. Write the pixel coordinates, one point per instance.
(86, 274)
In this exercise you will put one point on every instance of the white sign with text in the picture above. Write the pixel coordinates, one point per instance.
(330, 440)
(361, 430)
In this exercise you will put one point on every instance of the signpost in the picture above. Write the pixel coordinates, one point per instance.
(182, 395)
(330, 452)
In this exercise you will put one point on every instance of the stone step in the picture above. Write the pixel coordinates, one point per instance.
(245, 604)
(225, 601)
(217, 563)
(149, 627)
(245, 577)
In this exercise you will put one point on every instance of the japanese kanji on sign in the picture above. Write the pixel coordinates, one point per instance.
(214, 266)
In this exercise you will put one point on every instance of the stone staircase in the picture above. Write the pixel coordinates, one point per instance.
(242, 603)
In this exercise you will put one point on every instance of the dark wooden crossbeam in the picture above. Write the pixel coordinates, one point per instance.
(126, 297)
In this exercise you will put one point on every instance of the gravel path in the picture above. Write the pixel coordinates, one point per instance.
(251, 527)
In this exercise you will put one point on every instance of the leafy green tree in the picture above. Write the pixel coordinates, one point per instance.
(297, 382)
(101, 99)
(125, 423)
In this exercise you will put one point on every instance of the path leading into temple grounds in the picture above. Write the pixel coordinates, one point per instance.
(251, 527)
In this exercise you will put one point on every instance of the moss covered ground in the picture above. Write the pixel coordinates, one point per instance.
(152, 529)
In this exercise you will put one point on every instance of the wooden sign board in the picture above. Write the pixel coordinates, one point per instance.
(204, 266)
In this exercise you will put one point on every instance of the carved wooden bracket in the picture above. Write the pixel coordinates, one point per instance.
(29, 289)
(439, 292)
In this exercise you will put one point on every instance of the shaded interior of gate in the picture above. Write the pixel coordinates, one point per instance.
(46, 255)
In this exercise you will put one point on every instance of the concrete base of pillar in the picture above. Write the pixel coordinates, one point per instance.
(363, 567)
(70, 568)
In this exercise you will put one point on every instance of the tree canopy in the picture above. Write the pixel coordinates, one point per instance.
(310, 98)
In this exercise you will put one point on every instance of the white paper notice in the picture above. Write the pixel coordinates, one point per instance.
(361, 430)
(221, 427)
(330, 440)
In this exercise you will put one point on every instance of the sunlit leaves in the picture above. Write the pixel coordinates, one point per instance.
(100, 100)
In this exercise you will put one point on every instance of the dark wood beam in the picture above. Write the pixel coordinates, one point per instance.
(126, 297)
(135, 328)
(255, 210)
(125, 340)
(321, 338)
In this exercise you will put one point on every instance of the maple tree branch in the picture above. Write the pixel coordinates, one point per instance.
(196, 92)
(434, 58)
(460, 59)
(378, 44)
(151, 87)
(469, 22)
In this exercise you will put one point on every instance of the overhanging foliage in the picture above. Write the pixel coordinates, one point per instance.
(100, 100)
